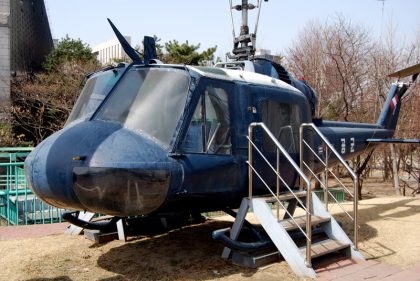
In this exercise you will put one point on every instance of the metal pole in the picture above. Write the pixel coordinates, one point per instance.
(250, 136)
(8, 206)
(258, 16)
(301, 155)
(16, 194)
(231, 18)
(356, 213)
(308, 224)
(395, 170)
(278, 181)
(308, 260)
(326, 179)
(244, 27)
(25, 206)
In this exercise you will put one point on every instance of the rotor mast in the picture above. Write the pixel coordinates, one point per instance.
(244, 45)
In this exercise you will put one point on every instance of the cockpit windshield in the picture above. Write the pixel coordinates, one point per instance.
(94, 92)
(151, 100)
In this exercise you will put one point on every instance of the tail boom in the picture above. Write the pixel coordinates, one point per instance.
(390, 112)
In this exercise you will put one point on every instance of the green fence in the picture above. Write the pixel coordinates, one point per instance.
(18, 204)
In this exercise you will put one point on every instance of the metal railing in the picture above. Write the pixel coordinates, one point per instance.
(8, 176)
(251, 170)
(328, 149)
(18, 204)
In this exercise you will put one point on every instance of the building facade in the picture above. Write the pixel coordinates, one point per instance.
(4, 53)
(108, 52)
(25, 40)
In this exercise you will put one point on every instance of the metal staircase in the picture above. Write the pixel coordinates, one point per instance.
(298, 238)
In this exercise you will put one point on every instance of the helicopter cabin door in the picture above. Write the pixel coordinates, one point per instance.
(210, 168)
(283, 119)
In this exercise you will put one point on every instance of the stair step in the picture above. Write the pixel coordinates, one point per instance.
(285, 196)
(255, 261)
(324, 247)
(289, 224)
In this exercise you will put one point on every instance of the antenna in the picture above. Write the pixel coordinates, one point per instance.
(383, 6)
(244, 45)
(382, 17)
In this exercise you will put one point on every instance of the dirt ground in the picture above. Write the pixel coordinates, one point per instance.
(389, 233)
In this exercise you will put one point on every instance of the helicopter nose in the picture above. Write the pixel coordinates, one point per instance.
(48, 169)
(101, 167)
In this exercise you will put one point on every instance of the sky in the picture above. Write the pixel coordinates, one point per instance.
(209, 23)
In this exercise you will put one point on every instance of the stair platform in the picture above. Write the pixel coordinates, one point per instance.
(325, 247)
(289, 224)
(255, 261)
(285, 196)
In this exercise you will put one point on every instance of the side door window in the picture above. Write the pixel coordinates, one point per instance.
(209, 129)
(283, 120)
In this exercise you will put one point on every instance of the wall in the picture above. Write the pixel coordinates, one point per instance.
(25, 40)
(30, 35)
(4, 57)
(108, 51)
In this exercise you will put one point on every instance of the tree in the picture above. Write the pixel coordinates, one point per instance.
(42, 102)
(333, 60)
(68, 51)
(186, 54)
(349, 72)
(173, 52)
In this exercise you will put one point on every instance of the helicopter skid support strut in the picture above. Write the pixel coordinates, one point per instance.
(82, 220)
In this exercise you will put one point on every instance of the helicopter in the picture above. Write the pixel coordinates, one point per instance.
(151, 139)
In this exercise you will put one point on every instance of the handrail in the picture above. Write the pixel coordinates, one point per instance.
(12, 164)
(325, 188)
(330, 146)
(251, 170)
(324, 185)
(279, 146)
(16, 149)
(276, 171)
(279, 202)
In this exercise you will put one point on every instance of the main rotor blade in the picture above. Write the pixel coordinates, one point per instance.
(125, 45)
(408, 141)
(412, 70)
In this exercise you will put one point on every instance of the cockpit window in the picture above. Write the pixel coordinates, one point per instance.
(96, 89)
(209, 130)
(265, 67)
(150, 100)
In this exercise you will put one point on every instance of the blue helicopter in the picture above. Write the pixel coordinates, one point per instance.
(151, 139)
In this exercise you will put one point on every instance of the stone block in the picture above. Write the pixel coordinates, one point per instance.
(5, 6)
(4, 52)
(4, 19)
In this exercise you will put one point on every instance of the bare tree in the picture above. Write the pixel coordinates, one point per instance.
(307, 59)
(348, 69)
(42, 102)
(332, 58)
